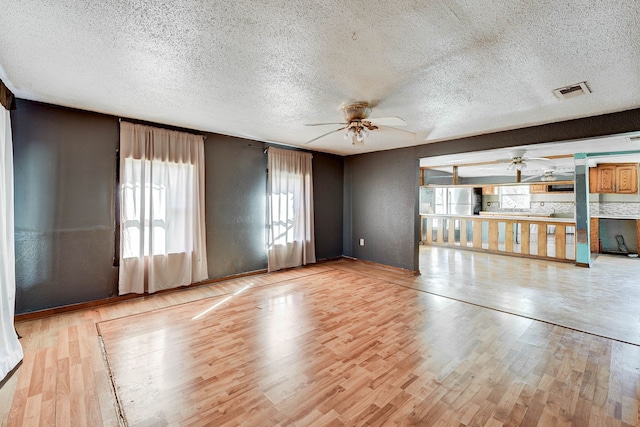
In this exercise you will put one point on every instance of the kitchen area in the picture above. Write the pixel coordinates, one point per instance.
(507, 219)
(614, 204)
(531, 215)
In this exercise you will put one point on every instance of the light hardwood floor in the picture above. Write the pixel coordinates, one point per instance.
(333, 344)
(603, 300)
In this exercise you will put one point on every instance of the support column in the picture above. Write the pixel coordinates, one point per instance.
(581, 188)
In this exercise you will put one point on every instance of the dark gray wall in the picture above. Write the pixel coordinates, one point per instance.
(65, 179)
(328, 173)
(65, 163)
(382, 207)
(236, 182)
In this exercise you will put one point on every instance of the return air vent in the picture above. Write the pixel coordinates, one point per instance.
(572, 91)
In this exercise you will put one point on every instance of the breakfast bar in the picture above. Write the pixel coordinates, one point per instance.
(517, 234)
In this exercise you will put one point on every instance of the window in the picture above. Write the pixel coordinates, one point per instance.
(162, 229)
(282, 219)
(167, 207)
(514, 197)
(291, 236)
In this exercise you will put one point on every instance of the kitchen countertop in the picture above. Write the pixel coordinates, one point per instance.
(515, 213)
(522, 217)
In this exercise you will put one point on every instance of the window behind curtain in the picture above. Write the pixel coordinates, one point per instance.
(163, 242)
(168, 204)
(291, 241)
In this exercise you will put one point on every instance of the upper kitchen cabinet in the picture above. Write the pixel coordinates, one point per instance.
(619, 178)
(627, 179)
(538, 188)
(489, 190)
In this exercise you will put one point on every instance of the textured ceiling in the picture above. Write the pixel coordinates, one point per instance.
(263, 69)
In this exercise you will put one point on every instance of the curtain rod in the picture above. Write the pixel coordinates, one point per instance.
(164, 127)
(7, 99)
(297, 149)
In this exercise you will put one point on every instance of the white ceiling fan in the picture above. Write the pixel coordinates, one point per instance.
(357, 124)
(518, 162)
(547, 176)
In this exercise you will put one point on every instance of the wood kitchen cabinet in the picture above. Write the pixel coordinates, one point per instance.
(594, 240)
(620, 178)
(593, 180)
(606, 179)
(538, 188)
(627, 179)
(488, 191)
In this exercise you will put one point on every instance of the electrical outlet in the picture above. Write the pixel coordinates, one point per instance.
(361, 242)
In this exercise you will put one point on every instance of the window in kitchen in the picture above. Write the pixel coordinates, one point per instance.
(514, 197)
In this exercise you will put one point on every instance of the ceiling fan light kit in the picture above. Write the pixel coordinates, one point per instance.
(358, 130)
(357, 126)
(517, 165)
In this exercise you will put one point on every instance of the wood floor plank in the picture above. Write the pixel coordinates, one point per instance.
(579, 298)
(359, 330)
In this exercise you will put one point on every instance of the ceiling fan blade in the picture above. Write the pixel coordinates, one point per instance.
(540, 160)
(507, 160)
(422, 135)
(323, 135)
(394, 128)
(323, 124)
(387, 121)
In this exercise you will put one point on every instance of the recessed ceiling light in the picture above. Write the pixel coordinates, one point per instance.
(572, 91)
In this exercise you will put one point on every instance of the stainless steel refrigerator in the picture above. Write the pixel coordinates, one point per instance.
(453, 201)
(464, 201)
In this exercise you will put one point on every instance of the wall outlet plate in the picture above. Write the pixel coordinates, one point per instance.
(361, 242)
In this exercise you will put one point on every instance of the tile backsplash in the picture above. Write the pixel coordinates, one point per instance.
(564, 208)
(615, 208)
(568, 208)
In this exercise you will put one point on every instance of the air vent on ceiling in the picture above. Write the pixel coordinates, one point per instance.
(572, 91)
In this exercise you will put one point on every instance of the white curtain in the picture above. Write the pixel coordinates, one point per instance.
(291, 237)
(162, 216)
(10, 349)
